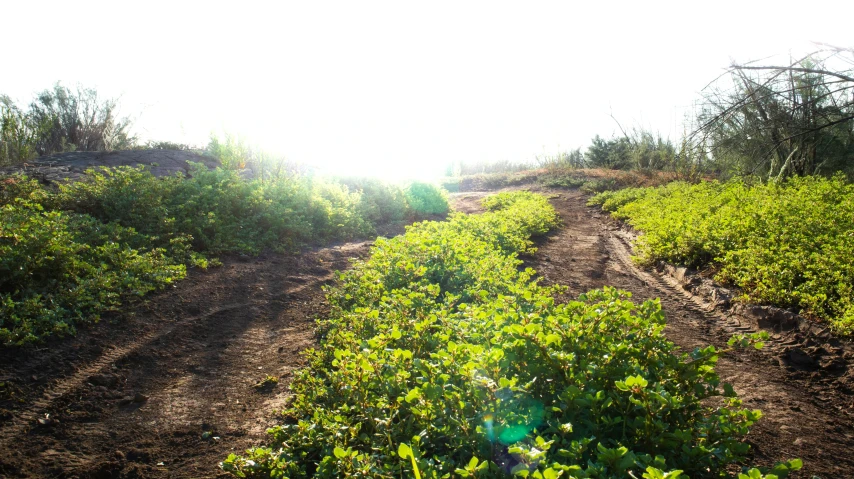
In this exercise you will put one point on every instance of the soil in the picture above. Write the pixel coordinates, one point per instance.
(172, 385)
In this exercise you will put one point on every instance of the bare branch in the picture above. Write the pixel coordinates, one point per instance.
(797, 69)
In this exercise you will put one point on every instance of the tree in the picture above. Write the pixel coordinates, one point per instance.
(613, 153)
(782, 120)
(61, 120)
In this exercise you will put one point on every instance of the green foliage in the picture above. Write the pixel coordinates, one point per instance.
(780, 121)
(788, 244)
(562, 180)
(642, 150)
(489, 181)
(426, 199)
(219, 209)
(58, 269)
(563, 160)
(17, 133)
(58, 120)
(380, 202)
(441, 358)
(70, 253)
(233, 152)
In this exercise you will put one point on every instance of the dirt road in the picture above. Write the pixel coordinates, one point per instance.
(168, 388)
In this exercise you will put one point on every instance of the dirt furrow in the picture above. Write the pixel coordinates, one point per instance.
(171, 386)
(804, 416)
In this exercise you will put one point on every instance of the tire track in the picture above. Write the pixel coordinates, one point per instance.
(27, 418)
(727, 322)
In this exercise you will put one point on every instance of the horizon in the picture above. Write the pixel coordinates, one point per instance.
(398, 91)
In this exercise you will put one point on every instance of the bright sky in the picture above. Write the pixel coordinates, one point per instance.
(401, 88)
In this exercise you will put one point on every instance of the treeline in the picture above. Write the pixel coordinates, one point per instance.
(770, 121)
(780, 120)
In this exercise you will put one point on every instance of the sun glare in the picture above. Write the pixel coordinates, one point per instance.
(403, 90)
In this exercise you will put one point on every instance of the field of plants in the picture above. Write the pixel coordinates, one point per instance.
(789, 244)
(441, 358)
(75, 250)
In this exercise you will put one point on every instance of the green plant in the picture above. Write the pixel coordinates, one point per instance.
(266, 384)
(785, 243)
(59, 269)
(70, 253)
(426, 199)
(17, 133)
(441, 358)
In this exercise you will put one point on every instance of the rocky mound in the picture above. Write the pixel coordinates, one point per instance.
(72, 165)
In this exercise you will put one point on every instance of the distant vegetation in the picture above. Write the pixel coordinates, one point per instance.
(61, 119)
(780, 120)
(442, 359)
(788, 243)
(70, 252)
(766, 121)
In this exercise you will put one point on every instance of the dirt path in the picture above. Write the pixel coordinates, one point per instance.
(167, 389)
(804, 414)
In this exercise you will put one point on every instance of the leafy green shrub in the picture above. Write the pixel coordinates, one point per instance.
(380, 202)
(58, 269)
(224, 212)
(69, 254)
(440, 358)
(14, 187)
(612, 200)
(426, 199)
(787, 244)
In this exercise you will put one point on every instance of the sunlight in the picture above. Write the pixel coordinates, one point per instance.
(399, 90)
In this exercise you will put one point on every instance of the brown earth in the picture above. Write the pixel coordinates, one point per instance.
(73, 165)
(168, 387)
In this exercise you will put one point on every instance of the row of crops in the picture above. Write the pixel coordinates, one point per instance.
(71, 252)
(789, 244)
(441, 358)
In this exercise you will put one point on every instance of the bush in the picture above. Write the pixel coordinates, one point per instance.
(787, 244)
(441, 358)
(58, 120)
(380, 202)
(58, 269)
(122, 232)
(426, 199)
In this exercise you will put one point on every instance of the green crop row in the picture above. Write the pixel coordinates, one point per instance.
(788, 244)
(69, 253)
(440, 358)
